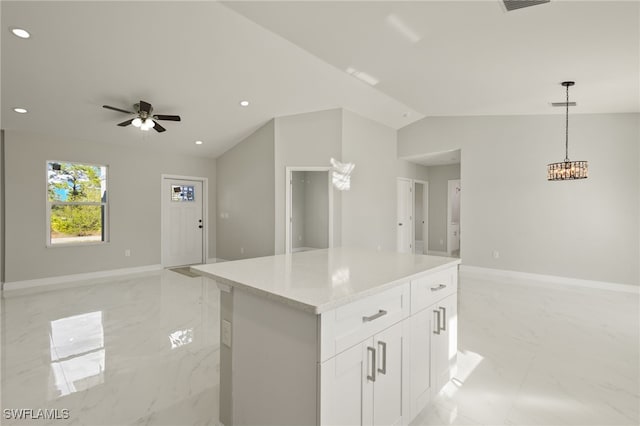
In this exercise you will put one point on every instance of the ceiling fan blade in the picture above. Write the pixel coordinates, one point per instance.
(167, 117)
(125, 123)
(117, 109)
(158, 127)
(145, 106)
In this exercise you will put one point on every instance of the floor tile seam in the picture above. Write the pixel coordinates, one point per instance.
(519, 391)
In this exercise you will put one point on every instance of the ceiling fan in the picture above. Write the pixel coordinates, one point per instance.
(145, 119)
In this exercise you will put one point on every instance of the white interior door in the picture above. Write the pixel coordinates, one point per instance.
(404, 215)
(183, 222)
(421, 216)
(453, 216)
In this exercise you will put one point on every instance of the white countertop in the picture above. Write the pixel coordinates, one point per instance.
(320, 280)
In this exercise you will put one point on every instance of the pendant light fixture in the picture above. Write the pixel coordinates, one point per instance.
(567, 169)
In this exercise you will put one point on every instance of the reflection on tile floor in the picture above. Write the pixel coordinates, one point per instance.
(144, 349)
(137, 350)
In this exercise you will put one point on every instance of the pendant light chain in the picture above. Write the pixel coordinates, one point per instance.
(566, 141)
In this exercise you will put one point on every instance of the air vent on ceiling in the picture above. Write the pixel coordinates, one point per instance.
(519, 4)
(562, 104)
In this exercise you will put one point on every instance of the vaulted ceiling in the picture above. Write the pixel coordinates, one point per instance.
(200, 59)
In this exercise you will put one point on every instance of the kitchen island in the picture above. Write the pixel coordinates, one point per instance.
(334, 336)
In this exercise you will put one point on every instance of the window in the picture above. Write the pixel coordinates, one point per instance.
(182, 193)
(76, 203)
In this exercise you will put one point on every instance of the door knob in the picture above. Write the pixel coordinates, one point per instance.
(399, 224)
(200, 226)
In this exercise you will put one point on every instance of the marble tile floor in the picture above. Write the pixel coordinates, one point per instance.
(542, 355)
(138, 350)
(144, 350)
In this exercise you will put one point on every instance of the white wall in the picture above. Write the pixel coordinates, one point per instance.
(369, 207)
(134, 204)
(245, 190)
(316, 208)
(439, 177)
(586, 229)
(309, 139)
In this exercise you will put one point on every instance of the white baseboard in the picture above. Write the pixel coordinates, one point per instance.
(216, 260)
(64, 279)
(530, 278)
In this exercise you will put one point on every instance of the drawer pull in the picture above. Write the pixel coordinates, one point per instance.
(437, 322)
(380, 313)
(440, 287)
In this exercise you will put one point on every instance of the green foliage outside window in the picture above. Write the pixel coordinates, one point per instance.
(68, 185)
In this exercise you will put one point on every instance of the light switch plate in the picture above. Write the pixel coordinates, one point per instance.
(226, 333)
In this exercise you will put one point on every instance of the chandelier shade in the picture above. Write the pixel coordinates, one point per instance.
(567, 169)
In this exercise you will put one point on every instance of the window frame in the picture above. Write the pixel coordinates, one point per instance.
(49, 205)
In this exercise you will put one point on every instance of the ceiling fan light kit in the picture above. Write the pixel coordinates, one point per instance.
(567, 169)
(145, 118)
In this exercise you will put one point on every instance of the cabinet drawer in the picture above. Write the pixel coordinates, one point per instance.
(347, 325)
(431, 288)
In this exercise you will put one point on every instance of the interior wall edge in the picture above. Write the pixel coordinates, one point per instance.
(2, 201)
(517, 277)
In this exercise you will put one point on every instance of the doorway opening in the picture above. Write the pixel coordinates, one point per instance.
(308, 215)
(184, 228)
(412, 216)
(440, 211)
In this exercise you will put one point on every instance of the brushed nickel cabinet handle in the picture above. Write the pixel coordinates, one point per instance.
(383, 370)
(437, 323)
(440, 287)
(380, 313)
(372, 365)
(444, 318)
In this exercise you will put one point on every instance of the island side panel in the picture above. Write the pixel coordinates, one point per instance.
(274, 357)
(226, 389)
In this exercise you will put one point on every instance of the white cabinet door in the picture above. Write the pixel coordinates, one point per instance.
(421, 327)
(444, 344)
(346, 391)
(363, 385)
(387, 388)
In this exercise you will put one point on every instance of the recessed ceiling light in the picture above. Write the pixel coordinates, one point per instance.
(19, 32)
(363, 76)
(20, 110)
(244, 103)
(199, 142)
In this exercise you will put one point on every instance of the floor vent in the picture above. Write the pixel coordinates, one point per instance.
(185, 270)
(562, 104)
(519, 4)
